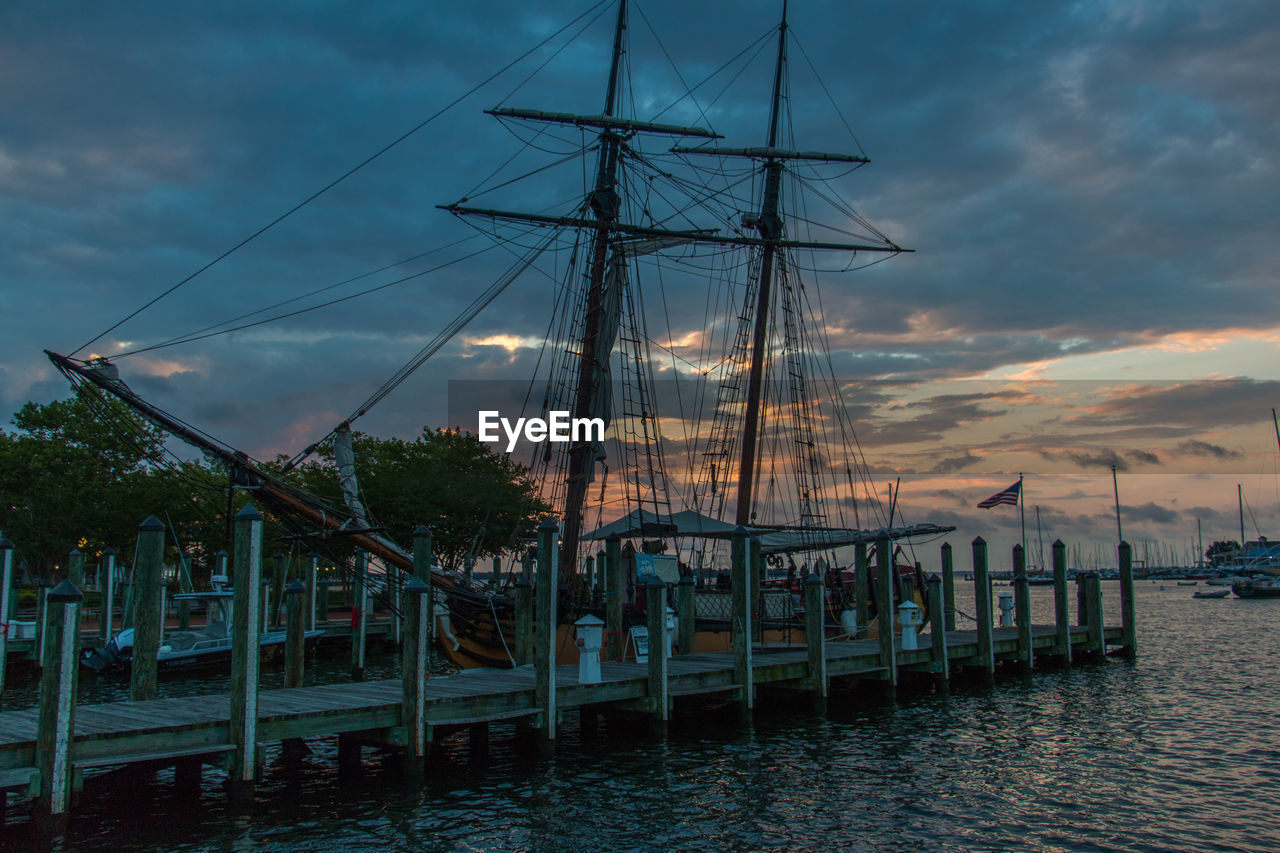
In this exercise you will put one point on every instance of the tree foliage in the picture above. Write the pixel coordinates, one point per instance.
(84, 472)
(476, 502)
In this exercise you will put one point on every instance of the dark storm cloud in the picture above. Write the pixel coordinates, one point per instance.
(1075, 179)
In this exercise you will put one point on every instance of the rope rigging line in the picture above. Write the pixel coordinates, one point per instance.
(446, 108)
(444, 336)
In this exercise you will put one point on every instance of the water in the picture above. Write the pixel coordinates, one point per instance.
(1178, 751)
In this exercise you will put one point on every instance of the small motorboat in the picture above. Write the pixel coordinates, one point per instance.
(1215, 593)
(1258, 587)
(206, 645)
(1188, 583)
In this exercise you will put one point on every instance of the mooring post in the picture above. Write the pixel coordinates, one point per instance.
(413, 671)
(544, 660)
(598, 585)
(939, 665)
(295, 637)
(265, 599)
(107, 590)
(1093, 606)
(246, 620)
(756, 570)
(309, 597)
(279, 566)
(1128, 622)
(526, 565)
(1061, 618)
(422, 571)
(524, 621)
(360, 614)
(861, 586)
(740, 621)
(42, 606)
(614, 592)
(656, 614)
(6, 581)
(687, 615)
(1082, 605)
(982, 608)
(948, 588)
(148, 573)
(884, 609)
(495, 577)
(815, 636)
(55, 726)
(184, 585)
(1022, 607)
(75, 568)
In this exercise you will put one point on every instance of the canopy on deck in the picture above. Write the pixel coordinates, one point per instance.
(773, 540)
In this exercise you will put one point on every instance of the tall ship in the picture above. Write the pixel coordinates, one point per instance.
(765, 442)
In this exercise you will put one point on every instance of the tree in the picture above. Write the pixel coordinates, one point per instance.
(476, 502)
(1221, 552)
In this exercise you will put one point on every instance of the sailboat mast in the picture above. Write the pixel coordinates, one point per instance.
(769, 225)
(604, 203)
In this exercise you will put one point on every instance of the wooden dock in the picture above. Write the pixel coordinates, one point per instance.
(197, 727)
(46, 752)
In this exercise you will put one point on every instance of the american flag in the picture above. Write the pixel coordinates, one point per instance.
(1008, 496)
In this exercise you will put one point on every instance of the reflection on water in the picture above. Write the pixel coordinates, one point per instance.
(1178, 751)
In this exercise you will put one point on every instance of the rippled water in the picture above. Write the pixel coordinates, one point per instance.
(1177, 751)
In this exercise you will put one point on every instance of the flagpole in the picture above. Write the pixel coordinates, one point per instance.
(1022, 512)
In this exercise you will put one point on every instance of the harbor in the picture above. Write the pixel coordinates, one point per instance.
(47, 752)
(631, 425)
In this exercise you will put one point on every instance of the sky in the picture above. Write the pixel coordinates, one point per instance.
(1090, 191)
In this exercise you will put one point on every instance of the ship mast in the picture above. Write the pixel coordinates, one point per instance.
(605, 204)
(769, 226)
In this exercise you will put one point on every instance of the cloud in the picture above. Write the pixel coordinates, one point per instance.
(1195, 447)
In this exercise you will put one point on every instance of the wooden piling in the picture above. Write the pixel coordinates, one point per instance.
(295, 636)
(184, 585)
(42, 606)
(245, 650)
(75, 568)
(861, 586)
(884, 608)
(740, 619)
(815, 634)
(1128, 620)
(422, 558)
(107, 591)
(6, 590)
(615, 592)
(413, 669)
(948, 588)
(279, 566)
(1082, 606)
(656, 613)
(56, 722)
(148, 573)
(1093, 613)
(360, 616)
(598, 584)
(686, 614)
(524, 621)
(1061, 617)
(309, 596)
(756, 573)
(939, 664)
(982, 607)
(544, 659)
(1022, 607)
(495, 577)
